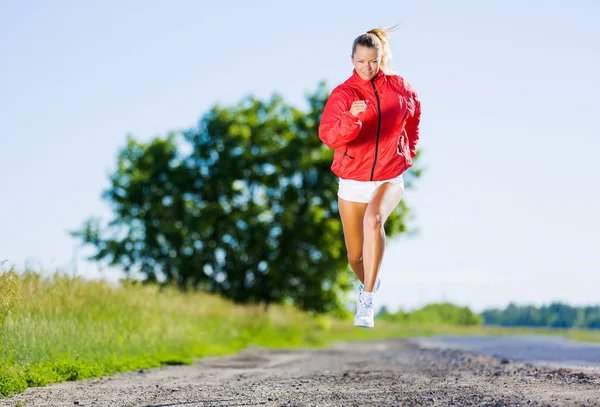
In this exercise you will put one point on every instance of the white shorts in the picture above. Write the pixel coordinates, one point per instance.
(362, 191)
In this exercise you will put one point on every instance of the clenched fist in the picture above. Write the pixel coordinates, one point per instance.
(358, 107)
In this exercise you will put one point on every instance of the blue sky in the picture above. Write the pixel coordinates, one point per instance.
(508, 207)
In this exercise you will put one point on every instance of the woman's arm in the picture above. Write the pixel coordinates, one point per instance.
(338, 126)
(412, 127)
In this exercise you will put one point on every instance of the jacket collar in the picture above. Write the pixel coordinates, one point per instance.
(378, 78)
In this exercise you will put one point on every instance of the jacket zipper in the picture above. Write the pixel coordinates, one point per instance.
(378, 127)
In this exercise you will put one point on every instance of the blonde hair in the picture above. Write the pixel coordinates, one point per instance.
(378, 38)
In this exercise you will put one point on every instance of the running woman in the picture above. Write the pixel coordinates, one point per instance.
(372, 121)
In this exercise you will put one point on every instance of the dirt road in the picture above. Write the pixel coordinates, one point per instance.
(384, 373)
(548, 350)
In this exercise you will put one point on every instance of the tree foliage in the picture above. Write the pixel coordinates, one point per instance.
(436, 314)
(244, 204)
(555, 315)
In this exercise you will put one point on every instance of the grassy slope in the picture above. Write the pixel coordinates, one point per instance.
(62, 328)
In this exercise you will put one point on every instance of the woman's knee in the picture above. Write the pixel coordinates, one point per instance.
(355, 259)
(373, 220)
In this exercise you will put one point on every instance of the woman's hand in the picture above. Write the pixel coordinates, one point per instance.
(358, 107)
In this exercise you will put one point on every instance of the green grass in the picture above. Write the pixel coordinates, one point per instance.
(61, 328)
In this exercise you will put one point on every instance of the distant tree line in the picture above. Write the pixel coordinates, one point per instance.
(434, 314)
(555, 315)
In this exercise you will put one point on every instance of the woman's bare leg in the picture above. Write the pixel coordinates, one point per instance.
(385, 199)
(352, 215)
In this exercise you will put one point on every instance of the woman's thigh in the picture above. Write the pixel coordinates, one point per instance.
(352, 214)
(385, 199)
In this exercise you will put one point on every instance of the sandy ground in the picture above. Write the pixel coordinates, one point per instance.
(382, 373)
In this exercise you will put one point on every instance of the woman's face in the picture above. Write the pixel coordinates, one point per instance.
(366, 61)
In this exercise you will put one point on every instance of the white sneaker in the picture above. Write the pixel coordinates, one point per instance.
(361, 287)
(365, 313)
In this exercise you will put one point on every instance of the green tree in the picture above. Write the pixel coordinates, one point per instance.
(445, 313)
(248, 211)
(556, 315)
(591, 317)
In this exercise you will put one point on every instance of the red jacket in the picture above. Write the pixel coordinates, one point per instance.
(380, 143)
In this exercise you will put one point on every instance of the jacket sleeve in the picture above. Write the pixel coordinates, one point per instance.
(412, 127)
(338, 126)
